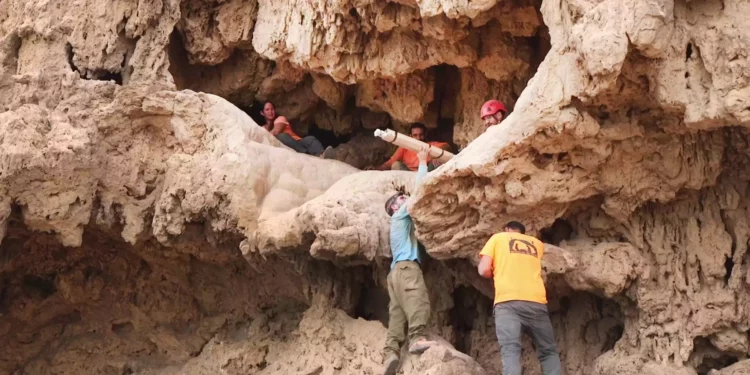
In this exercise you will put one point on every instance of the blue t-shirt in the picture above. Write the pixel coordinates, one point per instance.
(404, 245)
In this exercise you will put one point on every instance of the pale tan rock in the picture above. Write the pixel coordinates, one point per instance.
(730, 340)
(285, 77)
(333, 93)
(210, 29)
(621, 260)
(454, 9)
(406, 99)
(584, 91)
(232, 162)
(348, 223)
(328, 341)
(337, 40)
(329, 119)
(500, 59)
(519, 18)
(374, 120)
(631, 131)
(207, 133)
(739, 368)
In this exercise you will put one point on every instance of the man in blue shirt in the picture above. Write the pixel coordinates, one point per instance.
(410, 304)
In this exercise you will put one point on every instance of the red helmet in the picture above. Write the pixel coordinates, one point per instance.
(491, 107)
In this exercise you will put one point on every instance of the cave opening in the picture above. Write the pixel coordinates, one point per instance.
(707, 357)
(467, 303)
(443, 107)
(97, 74)
(327, 137)
(450, 109)
(612, 316)
(729, 266)
(561, 230)
(41, 285)
(179, 63)
(372, 299)
(716, 363)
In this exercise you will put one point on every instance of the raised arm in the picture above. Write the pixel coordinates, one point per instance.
(422, 170)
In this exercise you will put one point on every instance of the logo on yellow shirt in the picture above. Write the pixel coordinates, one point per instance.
(517, 246)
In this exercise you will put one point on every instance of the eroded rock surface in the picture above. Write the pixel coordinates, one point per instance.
(611, 137)
(150, 226)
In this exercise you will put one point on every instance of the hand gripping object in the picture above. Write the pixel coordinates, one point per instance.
(410, 143)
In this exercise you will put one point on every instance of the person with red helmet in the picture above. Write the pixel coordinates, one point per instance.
(493, 112)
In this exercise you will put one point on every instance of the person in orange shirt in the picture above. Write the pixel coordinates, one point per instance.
(279, 126)
(514, 260)
(407, 160)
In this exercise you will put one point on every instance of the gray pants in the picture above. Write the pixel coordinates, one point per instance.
(307, 145)
(510, 318)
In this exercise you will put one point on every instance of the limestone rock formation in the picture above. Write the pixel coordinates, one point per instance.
(148, 225)
(611, 136)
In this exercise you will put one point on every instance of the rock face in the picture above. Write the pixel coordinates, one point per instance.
(628, 133)
(148, 225)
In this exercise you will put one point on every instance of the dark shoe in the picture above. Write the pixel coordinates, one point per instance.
(419, 346)
(390, 365)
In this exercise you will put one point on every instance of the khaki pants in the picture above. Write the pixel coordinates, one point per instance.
(409, 307)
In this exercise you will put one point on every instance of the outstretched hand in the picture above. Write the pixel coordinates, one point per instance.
(423, 153)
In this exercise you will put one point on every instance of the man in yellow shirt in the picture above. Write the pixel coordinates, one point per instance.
(514, 260)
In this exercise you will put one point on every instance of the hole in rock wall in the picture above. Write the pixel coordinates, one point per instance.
(707, 357)
(467, 302)
(728, 265)
(39, 286)
(122, 328)
(179, 65)
(12, 44)
(583, 319)
(327, 137)
(540, 45)
(372, 302)
(443, 106)
(559, 231)
(96, 74)
(69, 53)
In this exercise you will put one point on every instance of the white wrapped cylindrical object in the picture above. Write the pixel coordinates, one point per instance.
(410, 143)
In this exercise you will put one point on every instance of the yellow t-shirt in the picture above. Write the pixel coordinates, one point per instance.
(516, 267)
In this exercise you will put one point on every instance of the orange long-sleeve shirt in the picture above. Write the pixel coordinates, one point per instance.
(287, 128)
(410, 158)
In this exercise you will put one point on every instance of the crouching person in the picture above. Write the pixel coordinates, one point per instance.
(409, 307)
(514, 260)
